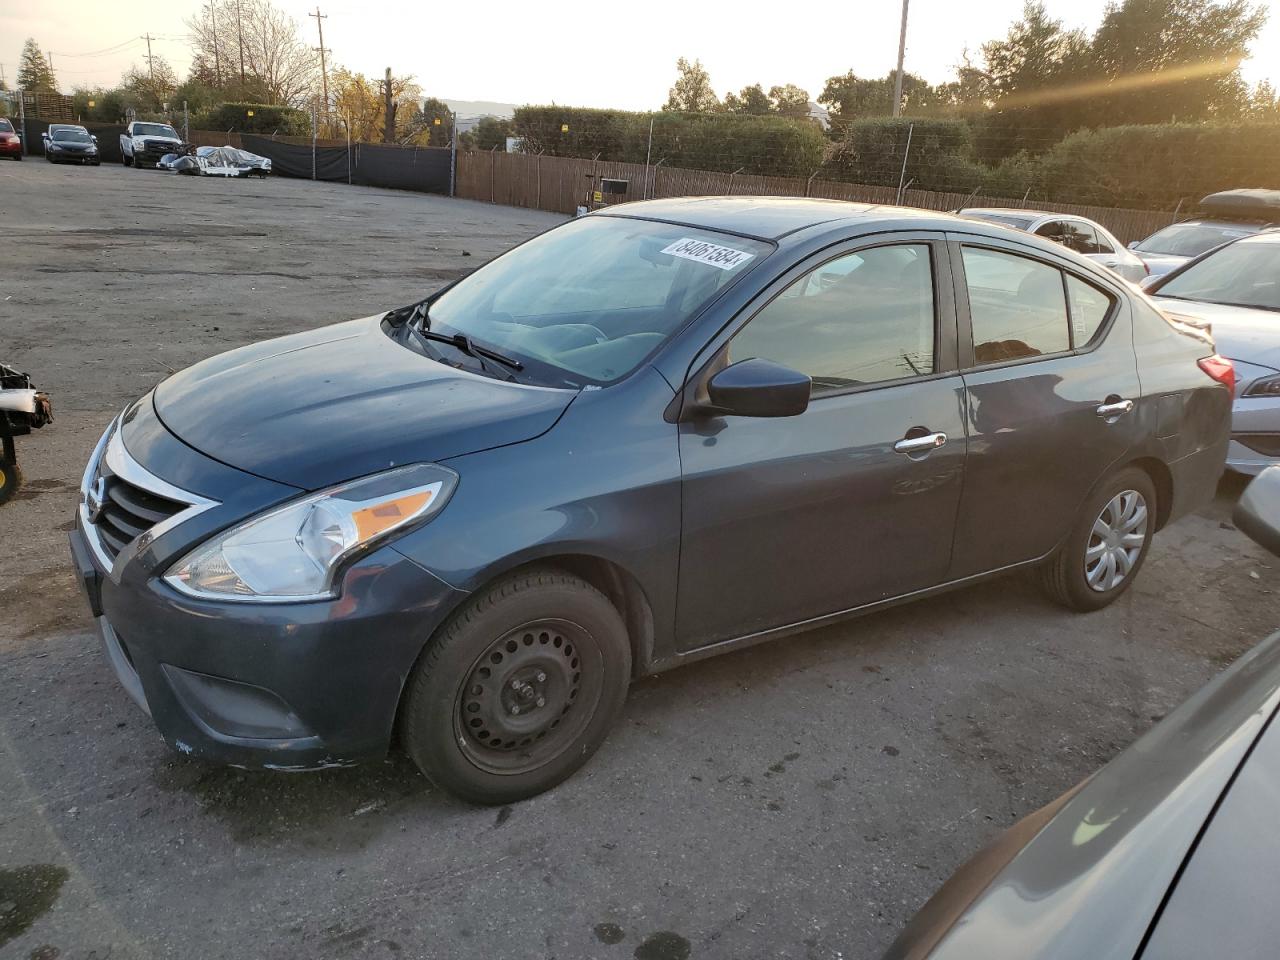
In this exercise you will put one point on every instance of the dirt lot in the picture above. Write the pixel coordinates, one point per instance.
(795, 800)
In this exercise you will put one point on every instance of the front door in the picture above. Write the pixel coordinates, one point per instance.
(853, 501)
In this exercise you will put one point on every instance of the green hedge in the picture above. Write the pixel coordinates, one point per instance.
(267, 118)
(767, 145)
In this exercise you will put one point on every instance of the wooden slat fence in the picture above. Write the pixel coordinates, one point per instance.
(561, 184)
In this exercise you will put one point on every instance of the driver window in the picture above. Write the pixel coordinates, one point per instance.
(866, 317)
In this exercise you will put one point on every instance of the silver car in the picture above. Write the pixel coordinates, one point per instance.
(1224, 216)
(1235, 289)
(1076, 233)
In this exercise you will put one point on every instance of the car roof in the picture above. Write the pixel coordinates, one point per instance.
(765, 218)
(1021, 212)
(67, 126)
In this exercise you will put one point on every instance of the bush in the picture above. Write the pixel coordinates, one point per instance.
(267, 118)
(767, 145)
(941, 156)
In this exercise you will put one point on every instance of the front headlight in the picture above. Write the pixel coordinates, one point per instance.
(293, 552)
(1266, 387)
(139, 145)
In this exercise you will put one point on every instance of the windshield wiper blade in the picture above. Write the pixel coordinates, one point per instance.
(464, 343)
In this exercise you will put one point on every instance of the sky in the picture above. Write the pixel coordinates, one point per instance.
(578, 53)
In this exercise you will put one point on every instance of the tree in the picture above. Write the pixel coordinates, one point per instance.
(752, 100)
(360, 103)
(1264, 103)
(278, 66)
(430, 124)
(789, 101)
(34, 72)
(491, 132)
(1175, 59)
(692, 92)
(152, 87)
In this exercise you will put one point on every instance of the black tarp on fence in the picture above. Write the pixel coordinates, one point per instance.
(425, 169)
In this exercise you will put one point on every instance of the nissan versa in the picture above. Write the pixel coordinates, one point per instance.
(655, 433)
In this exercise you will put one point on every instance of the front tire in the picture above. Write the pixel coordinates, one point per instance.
(1108, 543)
(126, 160)
(518, 689)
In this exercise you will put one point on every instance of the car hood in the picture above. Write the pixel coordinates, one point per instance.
(1160, 263)
(1240, 333)
(316, 408)
(1085, 876)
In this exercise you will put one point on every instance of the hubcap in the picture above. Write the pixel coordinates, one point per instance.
(1116, 541)
(528, 696)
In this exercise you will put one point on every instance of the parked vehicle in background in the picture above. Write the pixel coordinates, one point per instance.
(1226, 216)
(69, 143)
(295, 546)
(1075, 233)
(1235, 290)
(143, 143)
(10, 141)
(1168, 852)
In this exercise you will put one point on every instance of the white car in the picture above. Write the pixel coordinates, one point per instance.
(144, 143)
(1076, 233)
(1228, 215)
(1235, 291)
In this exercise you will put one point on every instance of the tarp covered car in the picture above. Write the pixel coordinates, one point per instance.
(225, 161)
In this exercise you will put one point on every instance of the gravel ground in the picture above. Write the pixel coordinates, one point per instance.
(800, 799)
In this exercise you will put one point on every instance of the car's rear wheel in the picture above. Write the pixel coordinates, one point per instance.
(1107, 544)
(126, 160)
(518, 689)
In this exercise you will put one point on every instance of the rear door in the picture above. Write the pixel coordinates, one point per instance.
(1049, 370)
(791, 519)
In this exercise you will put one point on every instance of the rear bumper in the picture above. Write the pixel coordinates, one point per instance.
(278, 686)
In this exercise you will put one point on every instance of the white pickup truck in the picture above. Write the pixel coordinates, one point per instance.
(143, 143)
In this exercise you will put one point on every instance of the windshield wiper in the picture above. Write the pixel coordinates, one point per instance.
(464, 343)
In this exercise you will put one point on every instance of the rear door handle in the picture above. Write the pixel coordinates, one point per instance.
(923, 444)
(1116, 409)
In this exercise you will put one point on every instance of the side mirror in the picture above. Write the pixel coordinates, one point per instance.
(93, 138)
(1133, 244)
(1258, 512)
(759, 388)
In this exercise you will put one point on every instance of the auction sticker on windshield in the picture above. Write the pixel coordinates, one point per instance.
(714, 255)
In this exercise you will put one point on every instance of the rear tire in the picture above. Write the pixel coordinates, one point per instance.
(518, 689)
(126, 160)
(1108, 543)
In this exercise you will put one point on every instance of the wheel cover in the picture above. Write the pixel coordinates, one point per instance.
(1117, 540)
(528, 696)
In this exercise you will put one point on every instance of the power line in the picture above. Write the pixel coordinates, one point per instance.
(105, 51)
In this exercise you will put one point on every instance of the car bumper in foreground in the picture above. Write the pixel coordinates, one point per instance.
(271, 685)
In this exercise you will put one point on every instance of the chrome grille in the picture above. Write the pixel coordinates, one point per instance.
(121, 501)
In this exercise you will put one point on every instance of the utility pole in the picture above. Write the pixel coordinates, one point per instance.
(213, 33)
(902, 53)
(151, 70)
(240, 39)
(324, 73)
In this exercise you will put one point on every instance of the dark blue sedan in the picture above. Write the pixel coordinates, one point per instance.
(653, 434)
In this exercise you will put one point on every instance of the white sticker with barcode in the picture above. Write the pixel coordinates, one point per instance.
(712, 254)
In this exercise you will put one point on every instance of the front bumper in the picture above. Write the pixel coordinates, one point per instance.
(284, 686)
(11, 148)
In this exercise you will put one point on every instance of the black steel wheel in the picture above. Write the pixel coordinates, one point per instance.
(518, 689)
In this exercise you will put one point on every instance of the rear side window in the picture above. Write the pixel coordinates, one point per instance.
(1017, 307)
(866, 317)
(1089, 307)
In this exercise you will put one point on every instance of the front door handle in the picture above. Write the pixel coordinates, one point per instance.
(1118, 408)
(923, 444)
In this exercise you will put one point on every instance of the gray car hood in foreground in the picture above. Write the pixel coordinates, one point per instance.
(1239, 333)
(1086, 877)
(316, 408)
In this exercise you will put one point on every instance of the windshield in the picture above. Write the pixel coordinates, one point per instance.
(6, 126)
(1190, 239)
(587, 302)
(71, 136)
(1245, 274)
(1006, 220)
(154, 130)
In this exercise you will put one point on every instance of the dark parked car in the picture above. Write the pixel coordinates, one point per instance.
(68, 143)
(653, 434)
(10, 141)
(1169, 852)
